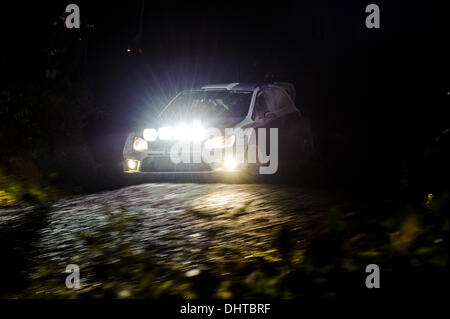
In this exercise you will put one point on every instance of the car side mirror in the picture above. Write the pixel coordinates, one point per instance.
(269, 115)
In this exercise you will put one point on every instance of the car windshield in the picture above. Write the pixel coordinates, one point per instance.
(220, 103)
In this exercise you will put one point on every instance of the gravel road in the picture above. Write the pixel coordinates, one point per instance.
(178, 221)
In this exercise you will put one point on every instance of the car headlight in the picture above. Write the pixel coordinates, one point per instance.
(198, 132)
(132, 164)
(230, 163)
(195, 132)
(220, 142)
(140, 144)
(181, 132)
(165, 133)
(150, 134)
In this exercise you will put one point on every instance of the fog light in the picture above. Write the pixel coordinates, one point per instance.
(230, 163)
(132, 164)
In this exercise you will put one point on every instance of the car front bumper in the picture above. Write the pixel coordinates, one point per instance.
(155, 164)
(157, 160)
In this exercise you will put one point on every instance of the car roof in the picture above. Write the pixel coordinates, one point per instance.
(288, 87)
(231, 86)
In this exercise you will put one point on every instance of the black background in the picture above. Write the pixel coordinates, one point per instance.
(376, 97)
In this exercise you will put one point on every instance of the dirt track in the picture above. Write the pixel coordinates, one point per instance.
(178, 221)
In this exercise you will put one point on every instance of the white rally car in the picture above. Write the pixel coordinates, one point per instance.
(223, 106)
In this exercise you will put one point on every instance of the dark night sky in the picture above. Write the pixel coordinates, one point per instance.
(372, 92)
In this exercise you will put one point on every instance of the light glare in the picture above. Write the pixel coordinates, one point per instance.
(165, 133)
(150, 134)
(198, 132)
(132, 164)
(195, 132)
(181, 132)
(230, 163)
(140, 144)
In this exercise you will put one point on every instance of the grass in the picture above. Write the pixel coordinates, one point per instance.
(24, 184)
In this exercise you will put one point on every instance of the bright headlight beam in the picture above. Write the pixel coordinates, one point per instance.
(181, 132)
(198, 132)
(230, 163)
(150, 134)
(165, 133)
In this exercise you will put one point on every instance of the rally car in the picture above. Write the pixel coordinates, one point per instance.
(250, 107)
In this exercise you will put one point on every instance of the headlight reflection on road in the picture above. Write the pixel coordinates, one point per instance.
(229, 199)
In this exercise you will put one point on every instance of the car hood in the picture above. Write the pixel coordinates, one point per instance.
(219, 122)
(228, 122)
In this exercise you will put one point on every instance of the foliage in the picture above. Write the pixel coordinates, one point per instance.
(24, 183)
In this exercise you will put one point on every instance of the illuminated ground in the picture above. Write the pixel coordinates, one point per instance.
(179, 221)
(220, 241)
